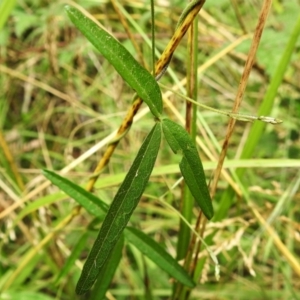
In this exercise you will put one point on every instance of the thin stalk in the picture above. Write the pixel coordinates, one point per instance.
(241, 90)
(266, 107)
(153, 35)
(236, 116)
(130, 35)
(186, 204)
(185, 246)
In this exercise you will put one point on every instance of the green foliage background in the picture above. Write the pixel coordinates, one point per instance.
(59, 98)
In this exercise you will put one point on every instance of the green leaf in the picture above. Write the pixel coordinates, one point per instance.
(158, 255)
(190, 166)
(193, 173)
(35, 205)
(132, 72)
(171, 138)
(121, 209)
(24, 295)
(6, 6)
(86, 199)
(108, 271)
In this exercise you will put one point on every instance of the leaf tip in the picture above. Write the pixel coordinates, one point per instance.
(68, 9)
(209, 214)
(45, 171)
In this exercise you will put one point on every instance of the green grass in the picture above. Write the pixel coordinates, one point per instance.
(60, 102)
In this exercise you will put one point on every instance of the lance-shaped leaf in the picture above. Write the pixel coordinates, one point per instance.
(132, 72)
(121, 209)
(89, 201)
(108, 271)
(158, 255)
(192, 171)
(190, 166)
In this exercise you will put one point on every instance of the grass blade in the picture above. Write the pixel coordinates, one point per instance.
(121, 209)
(6, 7)
(190, 166)
(158, 255)
(132, 72)
(193, 173)
(76, 251)
(269, 98)
(90, 202)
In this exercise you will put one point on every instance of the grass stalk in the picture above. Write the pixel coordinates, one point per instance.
(258, 128)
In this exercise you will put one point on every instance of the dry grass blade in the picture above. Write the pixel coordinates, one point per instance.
(11, 161)
(241, 90)
(277, 241)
